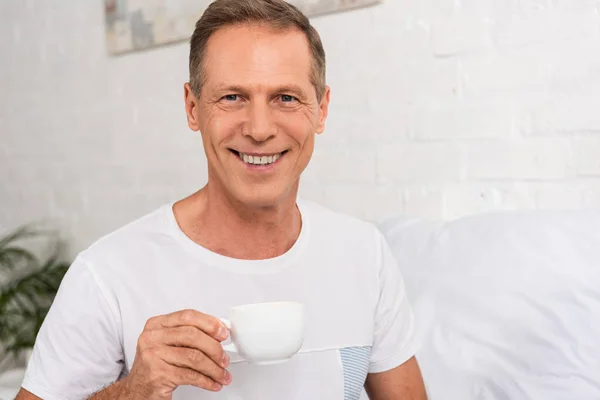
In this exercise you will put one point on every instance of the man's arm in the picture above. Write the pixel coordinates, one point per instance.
(401, 383)
(113, 392)
(25, 395)
(181, 348)
(394, 373)
(404, 382)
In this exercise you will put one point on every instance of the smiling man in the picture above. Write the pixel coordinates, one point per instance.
(137, 315)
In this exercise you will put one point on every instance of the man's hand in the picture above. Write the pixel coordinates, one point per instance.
(182, 348)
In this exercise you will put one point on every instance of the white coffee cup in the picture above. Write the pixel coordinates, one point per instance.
(266, 333)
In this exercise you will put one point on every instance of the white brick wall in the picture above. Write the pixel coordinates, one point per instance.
(441, 108)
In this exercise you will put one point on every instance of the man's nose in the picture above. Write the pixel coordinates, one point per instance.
(260, 124)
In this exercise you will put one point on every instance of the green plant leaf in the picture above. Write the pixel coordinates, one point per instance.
(28, 288)
(21, 233)
(12, 257)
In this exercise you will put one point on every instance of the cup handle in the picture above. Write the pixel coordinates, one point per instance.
(227, 344)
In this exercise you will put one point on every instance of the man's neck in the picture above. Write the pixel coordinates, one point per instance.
(252, 233)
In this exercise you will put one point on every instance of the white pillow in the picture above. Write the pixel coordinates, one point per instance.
(508, 304)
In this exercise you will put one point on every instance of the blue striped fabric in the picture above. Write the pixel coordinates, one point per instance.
(355, 364)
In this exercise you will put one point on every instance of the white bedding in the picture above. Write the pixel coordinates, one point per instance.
(508, 304)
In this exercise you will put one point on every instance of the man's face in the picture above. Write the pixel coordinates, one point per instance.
(258, 112)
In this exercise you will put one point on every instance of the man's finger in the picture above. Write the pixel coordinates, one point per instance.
(206, 323)
(185, 376)
(193, 338)
(194, 360)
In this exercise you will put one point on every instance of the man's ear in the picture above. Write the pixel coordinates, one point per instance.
(323, 110)
(191, 107)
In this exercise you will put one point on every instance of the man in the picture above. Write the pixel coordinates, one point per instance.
(137, 315)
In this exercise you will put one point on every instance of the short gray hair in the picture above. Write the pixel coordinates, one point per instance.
(276, 14)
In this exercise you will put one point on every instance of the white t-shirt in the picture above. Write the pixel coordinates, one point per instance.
(358, 318)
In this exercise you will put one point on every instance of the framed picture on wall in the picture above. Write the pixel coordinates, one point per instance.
(140, 24)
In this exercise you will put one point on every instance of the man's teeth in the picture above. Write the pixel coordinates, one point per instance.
(259, 160)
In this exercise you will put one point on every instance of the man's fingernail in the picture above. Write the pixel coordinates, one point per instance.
(225, 360)
(227, 377)
(218, 386)
(223, 332)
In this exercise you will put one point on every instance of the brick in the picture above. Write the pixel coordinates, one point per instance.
(433, 8)
(565, 114)
(423, 202)
(519, 159)
(375, 127)
(515, 71)
(579, 7)
(575, 72)
(411, 33)
(313, 192)
(430, 83)
(34, 203)
(453, 122)
(518, 196)
(489, 8)
(104, 175)
(420, 162)
(352, 165)
(352, 200)
(457, 35)
(591, 198)
(384, 202)
(64, 198)
(311, 175)
(560, 196)
(464, 200)
(373, 202)
(23, 170)
(534, 28)
(586, 152)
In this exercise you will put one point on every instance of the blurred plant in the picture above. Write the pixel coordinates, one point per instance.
(27, 288)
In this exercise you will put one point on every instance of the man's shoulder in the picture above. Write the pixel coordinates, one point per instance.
(130, 237)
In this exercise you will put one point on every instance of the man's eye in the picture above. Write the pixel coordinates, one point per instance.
(230, 97)
(286, 98)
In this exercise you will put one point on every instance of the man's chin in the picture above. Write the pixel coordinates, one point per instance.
(266, 198)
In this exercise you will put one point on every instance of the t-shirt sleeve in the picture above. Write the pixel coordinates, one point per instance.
(394, 337)
(78, 348)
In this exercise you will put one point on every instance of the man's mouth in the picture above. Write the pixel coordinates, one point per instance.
(259, 159)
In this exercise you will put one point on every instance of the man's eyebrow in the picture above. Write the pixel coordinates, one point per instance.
(230, 88)
(293, 89)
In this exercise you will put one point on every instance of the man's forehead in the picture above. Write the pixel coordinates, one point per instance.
(257, 57)
(255, 47)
